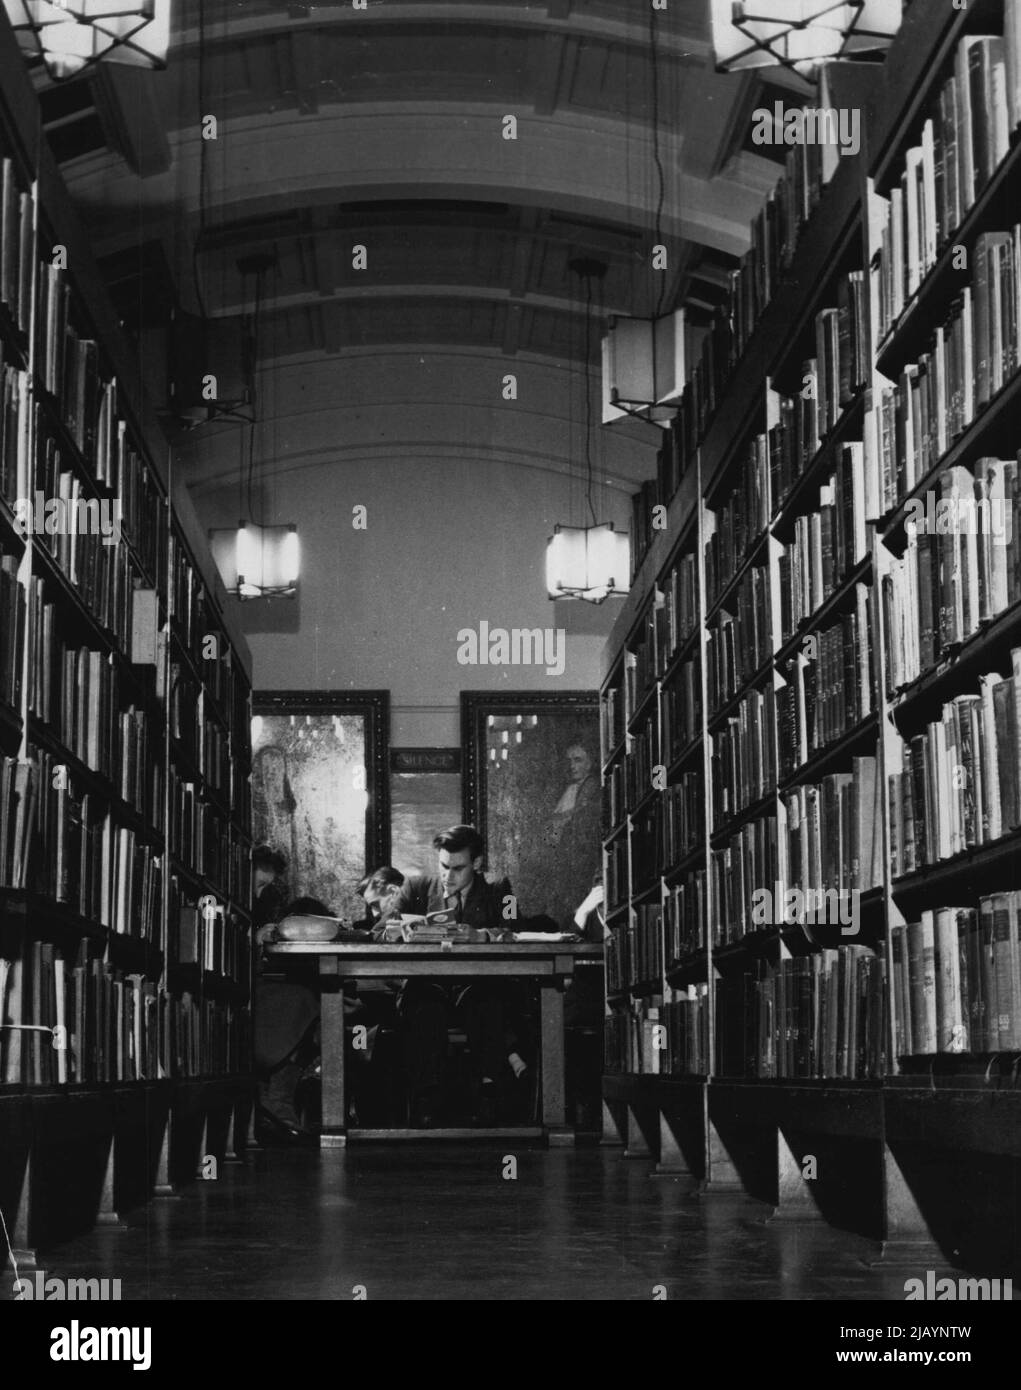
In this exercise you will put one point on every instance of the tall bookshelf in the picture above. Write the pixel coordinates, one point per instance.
(125, 932)
(833, 704)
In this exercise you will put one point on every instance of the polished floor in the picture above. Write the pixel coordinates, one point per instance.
(471, 1221)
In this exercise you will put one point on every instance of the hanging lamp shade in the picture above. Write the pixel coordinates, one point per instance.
(588, 562)
(71, 35)
(798, 34)
(257, 561)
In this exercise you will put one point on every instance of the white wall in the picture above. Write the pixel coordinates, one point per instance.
(462, 490)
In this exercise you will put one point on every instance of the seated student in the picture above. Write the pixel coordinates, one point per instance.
(286, 1012)
(492, 1009)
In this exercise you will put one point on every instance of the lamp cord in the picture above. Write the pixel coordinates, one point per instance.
(588, 396)
(656, 155)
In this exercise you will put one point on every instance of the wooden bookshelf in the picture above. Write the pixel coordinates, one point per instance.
(787, 1066)
(100, 932)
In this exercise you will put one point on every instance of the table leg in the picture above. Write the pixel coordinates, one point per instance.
(331, 1038)
(554, 1111)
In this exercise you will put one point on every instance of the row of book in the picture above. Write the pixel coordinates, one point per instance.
(219, 943)
(225, 683)
(17, 234)
(612, 718)
(130, 483)
(743, 766)
(961, 568)
(740, 640)
(680, 610)
(193, 617)
(84, 857)
(634, 951)
(827, 544)
(198, 834)
(12, 630)
(643, 521)
(634, 1041)
(642, 758)
(739, 519)
(686, 1023)
(971, 355)
(615, 872)
(74, 693)
(957, 978)
(812, 1016)
(745, 863)
(964, 138)
(669, 828)
(615, 799)
(96, 566)
(13, 434)
(18, 791)
(959, 785)
(834, 833)
(680, 709)
(684, 918)
(775, 232)
(112, 1026)
(829, 688)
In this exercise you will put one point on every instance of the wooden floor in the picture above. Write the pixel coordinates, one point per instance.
(441, 1221)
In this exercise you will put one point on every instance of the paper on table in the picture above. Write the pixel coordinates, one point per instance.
(545, 936)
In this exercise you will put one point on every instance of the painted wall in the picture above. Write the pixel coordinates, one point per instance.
(461, 489)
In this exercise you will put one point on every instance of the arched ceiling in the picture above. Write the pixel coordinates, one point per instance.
(383, 127)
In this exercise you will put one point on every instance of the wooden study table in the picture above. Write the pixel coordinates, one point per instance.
(549, 964)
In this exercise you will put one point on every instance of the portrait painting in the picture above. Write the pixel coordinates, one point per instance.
(320, 794)
(532, 786)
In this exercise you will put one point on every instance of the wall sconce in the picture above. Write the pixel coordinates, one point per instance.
(257, 561)
(588, 562)
(798, 34)
(70, 35)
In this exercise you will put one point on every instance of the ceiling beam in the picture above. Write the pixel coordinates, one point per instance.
(682, 32)
(547, 60)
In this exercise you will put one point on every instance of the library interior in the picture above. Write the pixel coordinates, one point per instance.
(510, 650)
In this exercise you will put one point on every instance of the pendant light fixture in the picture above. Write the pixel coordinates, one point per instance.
(588, 562)
(72, 35)
(800, 34)
(256, 560)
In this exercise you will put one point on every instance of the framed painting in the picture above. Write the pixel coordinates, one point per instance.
(532, 786)
(320, 788)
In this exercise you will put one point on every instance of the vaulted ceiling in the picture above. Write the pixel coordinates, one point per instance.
(384, 128)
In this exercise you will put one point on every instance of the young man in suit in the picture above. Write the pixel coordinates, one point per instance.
(490, 1008)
